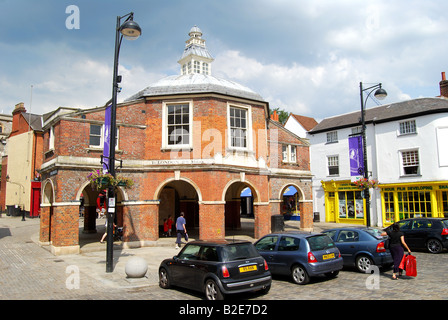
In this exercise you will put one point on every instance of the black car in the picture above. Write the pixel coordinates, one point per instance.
(216, 268)
(425, 233)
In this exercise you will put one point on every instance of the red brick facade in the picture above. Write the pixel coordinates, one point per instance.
(204, 181)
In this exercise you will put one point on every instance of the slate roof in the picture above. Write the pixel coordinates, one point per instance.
(195, 83)
(384, 113)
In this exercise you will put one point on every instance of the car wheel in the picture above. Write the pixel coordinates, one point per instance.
(164, 279)
(299, 275)
(363, 263)
(212, 291)
(434, 246)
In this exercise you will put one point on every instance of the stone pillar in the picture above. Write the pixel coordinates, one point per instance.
(262, 219)
(140, 223)
(211, 220)
(306, 216)
(65, 229)
(44, 230)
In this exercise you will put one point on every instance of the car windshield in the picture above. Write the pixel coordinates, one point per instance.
(238, 251)
(320, 242)
(375, 232)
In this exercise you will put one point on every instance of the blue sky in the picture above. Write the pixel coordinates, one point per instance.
(302, 56)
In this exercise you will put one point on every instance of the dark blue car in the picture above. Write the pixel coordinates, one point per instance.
(361, 247)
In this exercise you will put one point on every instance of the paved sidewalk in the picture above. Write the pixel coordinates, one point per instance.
(91, 262)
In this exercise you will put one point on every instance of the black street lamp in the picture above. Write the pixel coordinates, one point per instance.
(129, 30)
(379, 94)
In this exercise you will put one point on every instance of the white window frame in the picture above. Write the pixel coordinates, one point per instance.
(332, 137)
(51, 138)
(165, 137)
(248, 127)
(101, 145)
(289, 155)
(407, 127)
(330, 163)
(403, 164)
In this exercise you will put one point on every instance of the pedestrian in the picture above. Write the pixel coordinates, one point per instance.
(181, 230)
(165, 227)
(396, 247)
(105, 232)
(169, 223)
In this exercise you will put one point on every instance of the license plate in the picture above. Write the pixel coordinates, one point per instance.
(328, 256)
(248, 268)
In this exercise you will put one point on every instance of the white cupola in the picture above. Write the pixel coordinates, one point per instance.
(196, 58)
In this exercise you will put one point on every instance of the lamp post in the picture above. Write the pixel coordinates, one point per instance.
(129, 30)
(380, 94)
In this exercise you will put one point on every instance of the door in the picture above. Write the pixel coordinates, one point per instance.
(347, 243)
(35, 199)
(330, 211)
(184, 270)
(417, 236)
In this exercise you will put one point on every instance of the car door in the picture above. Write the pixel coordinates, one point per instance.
(267, 246)
(347, 242)
(418, 234)
(286, 254)
(184, 269)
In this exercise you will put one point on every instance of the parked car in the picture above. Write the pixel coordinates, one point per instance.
(300, 255)
(361, 247)
(216, 268)
(425, 233)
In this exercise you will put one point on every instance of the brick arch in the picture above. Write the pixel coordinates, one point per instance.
(245, 184)
(299, 191)
(164, 183)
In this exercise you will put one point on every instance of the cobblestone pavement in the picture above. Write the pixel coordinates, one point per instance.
(29, 271)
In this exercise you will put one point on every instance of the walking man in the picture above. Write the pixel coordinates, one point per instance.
(181, 230)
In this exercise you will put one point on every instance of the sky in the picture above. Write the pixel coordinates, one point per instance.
(307, 57)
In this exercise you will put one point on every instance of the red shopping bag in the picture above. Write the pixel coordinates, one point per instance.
(411, 266)
(402, 265)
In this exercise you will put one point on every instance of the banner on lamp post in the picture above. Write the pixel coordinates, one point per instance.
(106, 145)
(356, 156)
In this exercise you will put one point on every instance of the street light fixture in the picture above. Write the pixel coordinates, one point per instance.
(129, 30)
(380, 94)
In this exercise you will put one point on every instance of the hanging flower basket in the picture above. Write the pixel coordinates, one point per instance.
(101, 181)
(363, 183)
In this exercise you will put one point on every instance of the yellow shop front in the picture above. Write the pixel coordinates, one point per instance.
(414, 200)
(343, 202)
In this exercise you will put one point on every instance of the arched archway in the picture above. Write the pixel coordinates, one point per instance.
(176, 196)
(46, 214)
(92, 223)
(233, 210)
(291, 197)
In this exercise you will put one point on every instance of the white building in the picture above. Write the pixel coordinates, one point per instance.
(407, 152)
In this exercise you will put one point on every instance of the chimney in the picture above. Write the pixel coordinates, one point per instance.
(20, 107)
(274, 115)
(443, 86)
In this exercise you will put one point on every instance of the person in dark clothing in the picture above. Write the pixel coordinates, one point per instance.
(396, 247)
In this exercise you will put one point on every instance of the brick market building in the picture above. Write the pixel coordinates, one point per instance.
(191, 143)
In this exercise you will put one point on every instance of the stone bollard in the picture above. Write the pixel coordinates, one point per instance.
(136, 267)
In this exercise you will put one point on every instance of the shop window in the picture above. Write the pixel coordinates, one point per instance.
(351, 205)
(414, 204)
(333, 165)
(389, 207)
(443, 201)
(411, 163)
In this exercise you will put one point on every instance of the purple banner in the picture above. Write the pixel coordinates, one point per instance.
(106, 146)
(356, 156)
